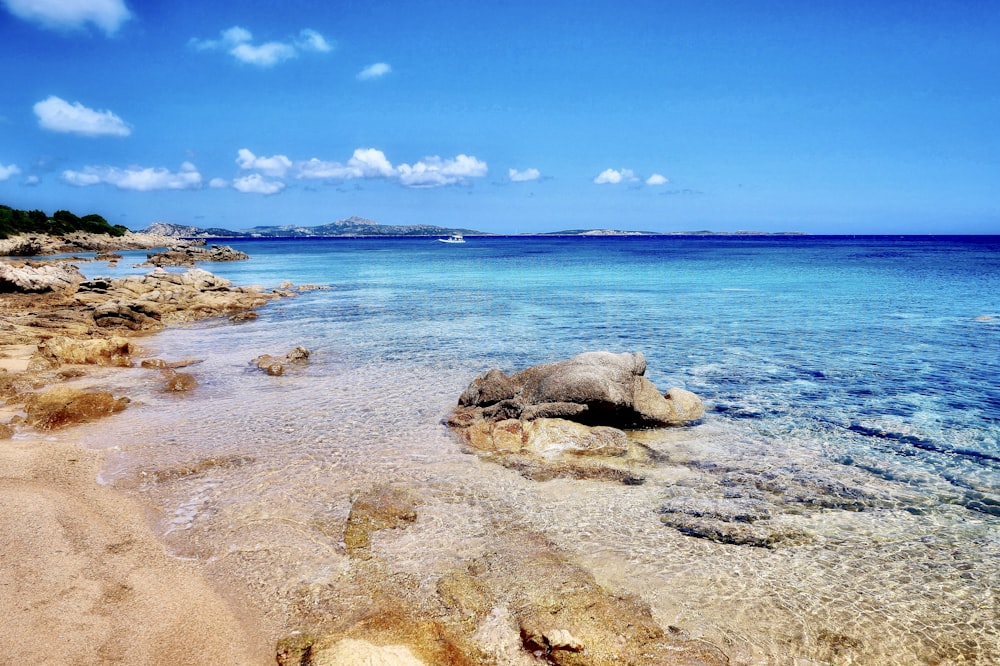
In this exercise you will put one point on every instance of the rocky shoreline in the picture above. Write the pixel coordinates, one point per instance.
(525, 604)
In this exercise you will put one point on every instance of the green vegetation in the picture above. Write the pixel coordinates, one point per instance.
(13, 221)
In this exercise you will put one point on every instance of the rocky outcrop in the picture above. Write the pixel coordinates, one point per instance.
(186, 254)
(148, 302)
(36, 277)
(79, 241)
(113, 351)
(569, 418)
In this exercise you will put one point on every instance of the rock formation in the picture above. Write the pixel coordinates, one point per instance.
(569, 417)
(187, 253)
(38, 277)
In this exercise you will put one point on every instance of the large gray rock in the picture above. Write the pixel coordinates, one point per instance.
(569, 418)
(594, 388)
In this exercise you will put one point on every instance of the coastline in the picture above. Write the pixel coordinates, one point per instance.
(85, 580)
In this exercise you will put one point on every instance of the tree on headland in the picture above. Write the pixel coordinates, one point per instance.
(14, 221)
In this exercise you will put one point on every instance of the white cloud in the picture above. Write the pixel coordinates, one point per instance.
(264, 55)
(256, 184)
(8, 171)
(275, 166)
(613, 177)
(217, 183)
(58, 115)
(372, 163)
(657, 179)
(108, 15)
(238, 42)
(136, 178)
(31, 180)
(435, 172)
(376, 71)
(310, 40)
(524, 176)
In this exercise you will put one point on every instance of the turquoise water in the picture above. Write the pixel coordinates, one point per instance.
(851, 387)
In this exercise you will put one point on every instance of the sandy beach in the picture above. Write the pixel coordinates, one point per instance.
(85, 581)
(83, 578)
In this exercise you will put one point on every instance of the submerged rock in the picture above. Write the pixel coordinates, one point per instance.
(569, 418)
(380, 508)
(275, 365)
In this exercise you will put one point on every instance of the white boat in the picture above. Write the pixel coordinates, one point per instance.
(454, 238)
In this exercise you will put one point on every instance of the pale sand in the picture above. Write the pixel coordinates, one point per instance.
(83, 579)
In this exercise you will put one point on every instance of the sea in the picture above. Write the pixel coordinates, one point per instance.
(852, 392)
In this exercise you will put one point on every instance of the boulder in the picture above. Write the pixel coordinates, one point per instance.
(592, 388)
(64, 406)
(113, 351)
(569, 418)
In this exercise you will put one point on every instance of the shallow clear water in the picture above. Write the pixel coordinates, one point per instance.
(851, 387)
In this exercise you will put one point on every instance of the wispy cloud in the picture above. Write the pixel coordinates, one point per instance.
(525, 176)
(58, 115)
(376, 71)
(238, 42)
(257, 184)
(136, 178)
(108, 15)
(8, 171)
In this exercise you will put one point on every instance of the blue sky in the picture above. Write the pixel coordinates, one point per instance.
(846, 117)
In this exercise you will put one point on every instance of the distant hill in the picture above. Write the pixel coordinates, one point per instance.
(352, 226)
(187, 231)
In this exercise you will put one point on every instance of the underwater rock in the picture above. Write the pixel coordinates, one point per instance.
(179, 381)
(380, 508)
(275, 365)
(556, 612)
(355, 652)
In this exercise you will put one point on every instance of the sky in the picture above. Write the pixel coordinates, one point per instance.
(507, 117)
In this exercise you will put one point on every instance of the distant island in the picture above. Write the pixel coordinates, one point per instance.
(351, 227)
(62, 222)
(356, 227)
